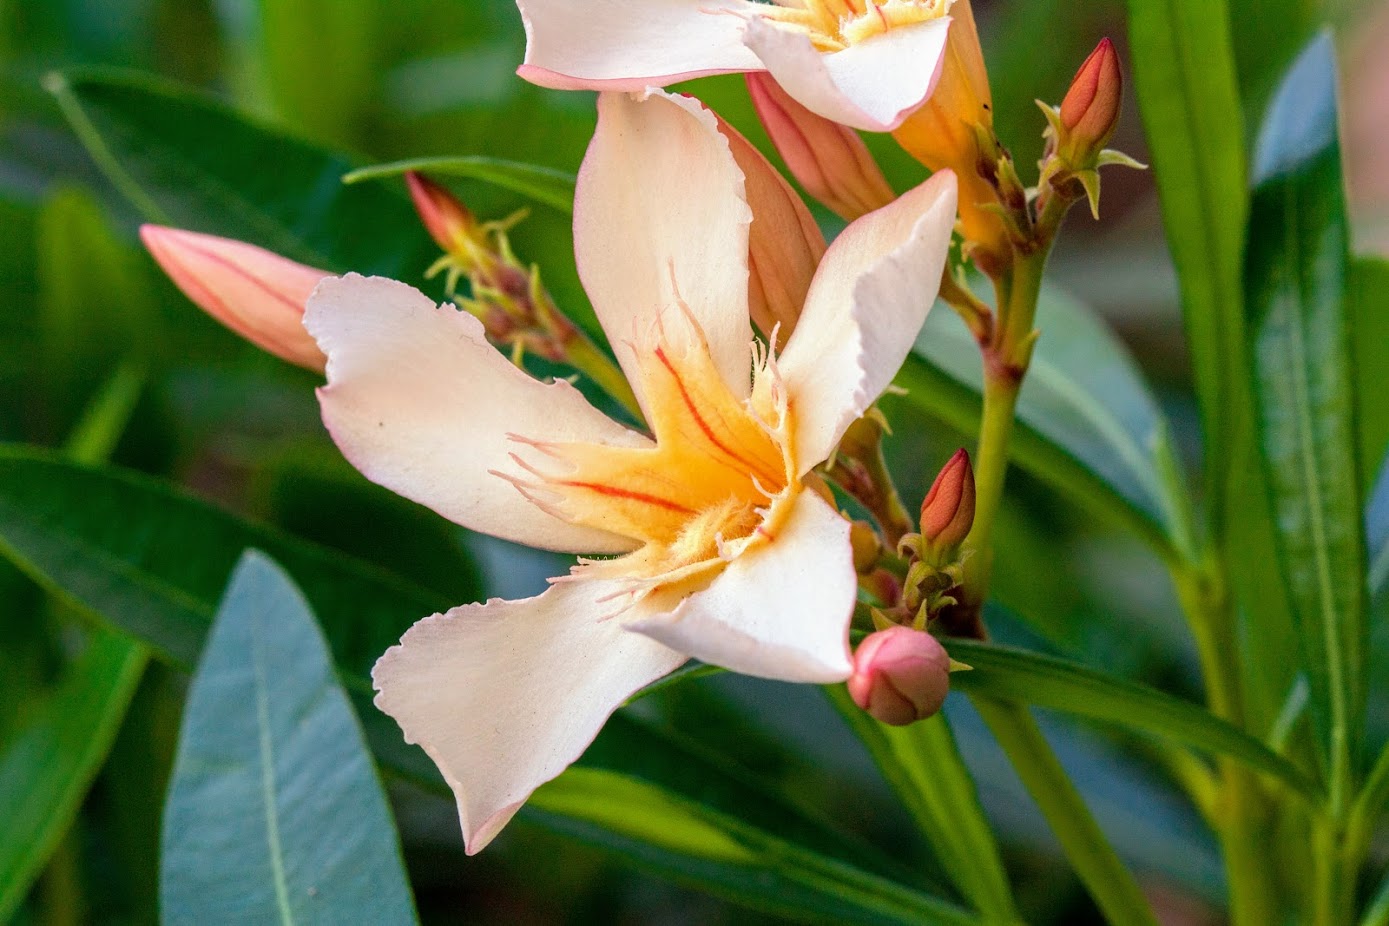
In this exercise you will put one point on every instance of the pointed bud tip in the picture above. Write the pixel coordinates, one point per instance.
(445, 218)
(947, 514)
(900, 675)
(1090, 110)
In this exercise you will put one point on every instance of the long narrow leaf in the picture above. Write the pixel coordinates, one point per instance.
(150, 560)
(923, 765)
(554, 188)
(1296, 280)
(46, 769)
(1008, 673)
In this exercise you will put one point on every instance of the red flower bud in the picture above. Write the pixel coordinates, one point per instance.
(948, 512)
(900, 675)
(446, 219)
(1090, 110)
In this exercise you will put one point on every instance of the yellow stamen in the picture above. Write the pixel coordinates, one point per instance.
(834, 25)
(712, 486)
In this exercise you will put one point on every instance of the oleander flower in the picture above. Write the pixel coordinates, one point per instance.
(862, 63)
(717, 541)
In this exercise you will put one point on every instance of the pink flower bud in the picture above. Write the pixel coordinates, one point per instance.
(784, 243)
(1090, 111)
(829, 160)
(255, 293)
(446, 219)
(900, 675)
(948, 512)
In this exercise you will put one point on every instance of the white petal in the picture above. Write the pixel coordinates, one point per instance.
(660, 221)
(627, 45)
(872, 85)
(505, 695)
(423, 405)
(779, 611)
(867, 303)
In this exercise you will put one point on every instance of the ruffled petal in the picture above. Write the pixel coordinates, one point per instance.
(625, 45)
(781, 610)
(872, 85)
(867, 304)
(423, 405)
(661, 232)
(503, 696)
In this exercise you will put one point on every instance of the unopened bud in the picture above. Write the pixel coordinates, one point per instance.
(948, 512)
(446, 219)
(1090, 111)
(829, 160)
(257, 294)
(784, 243)
(900, 675)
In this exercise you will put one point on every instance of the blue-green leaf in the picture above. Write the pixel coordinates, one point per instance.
(275, 813)
(1300, 348)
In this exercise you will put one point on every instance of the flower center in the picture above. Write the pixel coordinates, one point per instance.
(834, 25)
(710, 488)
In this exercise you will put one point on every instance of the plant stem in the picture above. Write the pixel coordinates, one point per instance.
(1104, 875)
(1241, 816)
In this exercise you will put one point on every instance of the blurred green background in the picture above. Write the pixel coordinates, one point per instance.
(366, 81)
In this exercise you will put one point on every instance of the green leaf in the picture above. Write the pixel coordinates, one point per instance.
(151, 560)
(94, 304)
(1184, 73)
(1008, 673)
(639, 789)
(1088, 424)
(554, 188)
(924, 767)
(186, 160)
(1300, 346)
(1368, 316)
(47, 767)
(275, 812)
(345, 38)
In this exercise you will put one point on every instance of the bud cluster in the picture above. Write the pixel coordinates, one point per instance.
(507, 297)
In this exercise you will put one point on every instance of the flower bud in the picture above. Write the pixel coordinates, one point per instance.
(1090, 110)
(948, 512)
(828, 160)
(784, 243)
(900, 675)
(446, 219)
(255, 293)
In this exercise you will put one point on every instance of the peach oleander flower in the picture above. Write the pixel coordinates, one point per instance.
(862, 63)
(719, 542)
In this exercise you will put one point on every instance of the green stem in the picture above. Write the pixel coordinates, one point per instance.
(1241, 818)
(1104, 875)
